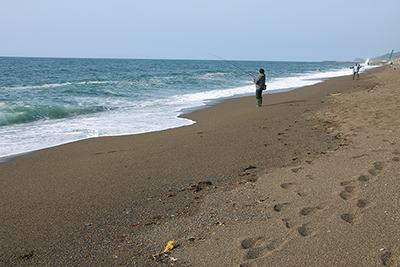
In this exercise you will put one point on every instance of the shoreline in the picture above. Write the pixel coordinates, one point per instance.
(118, 200)
(182, 112)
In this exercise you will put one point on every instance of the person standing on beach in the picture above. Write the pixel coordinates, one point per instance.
(356, 68)
(260, 86)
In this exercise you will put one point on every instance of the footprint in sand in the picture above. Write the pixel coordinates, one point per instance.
(348, 191)
(257, 247)
(280, 207)
(362, 203)
(250, 242)
(378, 167)
(305, 230)
(309, 210)
(363, 178)
(287, 185)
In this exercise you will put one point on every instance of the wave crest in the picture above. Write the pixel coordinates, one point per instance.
(23, 114)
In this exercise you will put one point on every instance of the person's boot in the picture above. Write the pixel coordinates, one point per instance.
(259, 103)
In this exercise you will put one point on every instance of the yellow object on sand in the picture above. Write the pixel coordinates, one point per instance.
(171, 245)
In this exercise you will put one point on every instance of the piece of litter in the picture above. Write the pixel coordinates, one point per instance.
(173, 259)
(88, 224)
(171, 245)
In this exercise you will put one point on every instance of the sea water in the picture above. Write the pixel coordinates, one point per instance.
(46, 102)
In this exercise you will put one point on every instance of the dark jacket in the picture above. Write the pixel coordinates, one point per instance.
(260, 82)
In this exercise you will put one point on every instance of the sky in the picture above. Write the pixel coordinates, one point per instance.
(266, 30)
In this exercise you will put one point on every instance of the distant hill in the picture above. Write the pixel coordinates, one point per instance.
(380, 58)
(359, 60)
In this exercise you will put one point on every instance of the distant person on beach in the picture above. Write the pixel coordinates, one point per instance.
(356, 68)
(260, 86)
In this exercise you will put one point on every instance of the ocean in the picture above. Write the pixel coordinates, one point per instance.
(46, 102)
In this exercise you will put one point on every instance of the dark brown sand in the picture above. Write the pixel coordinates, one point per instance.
(309, 179)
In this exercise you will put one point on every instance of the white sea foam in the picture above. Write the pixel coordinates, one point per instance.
(45, 86)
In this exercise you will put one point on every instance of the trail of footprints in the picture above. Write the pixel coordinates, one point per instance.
(306, 228)
(260, 246)
(349, 191)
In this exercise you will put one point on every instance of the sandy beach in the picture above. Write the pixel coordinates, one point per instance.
(309, 179)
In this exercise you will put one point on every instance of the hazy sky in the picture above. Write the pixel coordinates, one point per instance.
(282, 30)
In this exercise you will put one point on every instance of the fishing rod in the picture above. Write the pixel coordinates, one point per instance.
(233, 65)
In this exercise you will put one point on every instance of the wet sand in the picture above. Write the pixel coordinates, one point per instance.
(309, 179)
